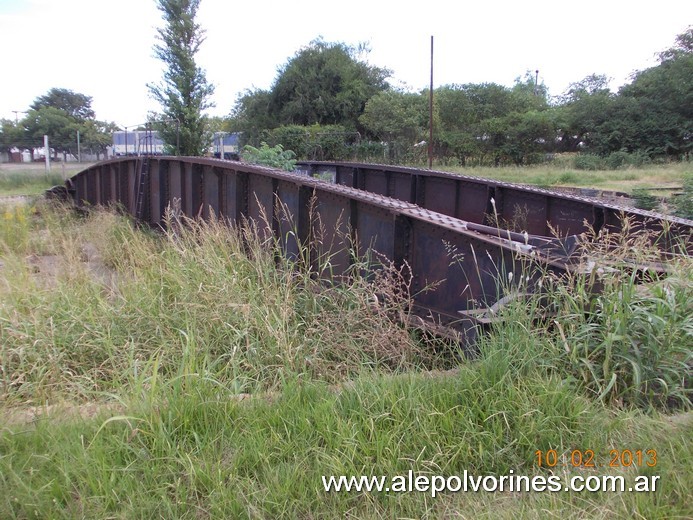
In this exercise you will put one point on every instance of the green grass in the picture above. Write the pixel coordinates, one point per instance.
(202, 453)
(226, 385)
(152, 299)
(562, 173)
(34, 180)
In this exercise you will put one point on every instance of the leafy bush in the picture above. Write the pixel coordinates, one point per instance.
(370, 151)
(275, 157)
(613, 161)
(568, 178)
(644, 199)
(316, 142)
(291, 137)
(622, 159)
(588, 161)
(331, 143)
(683, 203)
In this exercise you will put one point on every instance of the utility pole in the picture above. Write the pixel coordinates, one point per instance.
(16, 115)
(79, 154)
(536, 83)
(430, 114)
(177, 137)
(47, 153)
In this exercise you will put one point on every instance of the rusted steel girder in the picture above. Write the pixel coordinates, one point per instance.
(510, 206)
(455, 265)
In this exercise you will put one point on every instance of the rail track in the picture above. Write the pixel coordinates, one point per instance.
(442, 228)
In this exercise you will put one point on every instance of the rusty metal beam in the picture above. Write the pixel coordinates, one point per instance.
(413, 219)
(512, 206)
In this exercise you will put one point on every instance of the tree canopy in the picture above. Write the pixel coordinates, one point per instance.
(75, 105)
(60, 114)
(328, 102)
(184, 93)
(324, 84)
(327, 84)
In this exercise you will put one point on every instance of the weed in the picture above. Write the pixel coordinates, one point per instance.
(275, 157)
(206, 287)
(683, 203)
(644, 199)
(241, 379)
(622, 332)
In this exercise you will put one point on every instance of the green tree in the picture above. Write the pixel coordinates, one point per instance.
(529, 135)
(529, 93)
(470, 119)
(458, 119)
(296, 138)
(58, 125)
(251, 116)
(683, 47)
(399, 119)
(96, 136)
(11, 135)
(184, 93)
(652, 115)
(60, 114)
(583, 108)
(660, 103)
(316, 142)
(481, 121)
(325, 83)
(75, 105)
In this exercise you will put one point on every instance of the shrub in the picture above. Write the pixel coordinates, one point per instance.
(568, 178)
(292, 137)
(644, 199)
(317, 142)
(275, 157)
(622, 159)
(683, 203)
(588, 161)
(330, 143)
(370, 151)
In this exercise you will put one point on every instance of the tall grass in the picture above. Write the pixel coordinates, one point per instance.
(124, 306)
(32, 181)
(241, 380)
(621, 329)
(632, 342)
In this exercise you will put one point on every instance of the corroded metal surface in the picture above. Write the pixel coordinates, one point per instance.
(512, 206)
(434, 226)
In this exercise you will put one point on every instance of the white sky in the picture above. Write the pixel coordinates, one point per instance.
(103, 48)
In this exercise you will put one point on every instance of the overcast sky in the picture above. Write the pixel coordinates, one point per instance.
(104, 48)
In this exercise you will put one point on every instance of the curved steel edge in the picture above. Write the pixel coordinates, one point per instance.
(539, 211)
(458, 268)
